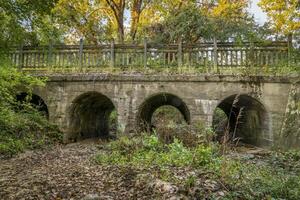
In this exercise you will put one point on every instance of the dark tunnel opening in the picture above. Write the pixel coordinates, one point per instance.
(35, 101)
(244, 119)
(92, 115)
(164, 102)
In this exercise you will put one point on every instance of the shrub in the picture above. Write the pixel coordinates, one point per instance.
(148, 150)
(252, 181)
(22, 125)
(243, 179)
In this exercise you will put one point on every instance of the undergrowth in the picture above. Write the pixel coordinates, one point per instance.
(246, 180)
(20, 130)
(149, 150)
(240, 179)
(22, 126)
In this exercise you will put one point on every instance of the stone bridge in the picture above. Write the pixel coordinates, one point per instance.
(81, 104)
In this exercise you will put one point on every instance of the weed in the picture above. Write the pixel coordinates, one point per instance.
(190, 182)
(151, 151)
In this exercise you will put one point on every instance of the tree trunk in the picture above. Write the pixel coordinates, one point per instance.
(136, 11)
(118, 11)
(121, 28)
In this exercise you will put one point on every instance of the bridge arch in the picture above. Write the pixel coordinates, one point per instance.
(89, 116)
(246, 119)
(35, 100)
(152, 103)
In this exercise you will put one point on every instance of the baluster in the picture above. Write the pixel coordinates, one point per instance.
(34, 58)
(81, 52)
(21, 58)
(50, 55)
(112, 53)
(215, 54)
(145, 52)
(180, 53)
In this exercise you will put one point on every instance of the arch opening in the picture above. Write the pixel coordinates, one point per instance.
(162, 106)
(167, 115)
(242, 118)
(92, 115)
(35, 101)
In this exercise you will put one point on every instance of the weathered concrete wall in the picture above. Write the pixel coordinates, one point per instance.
(200, 94)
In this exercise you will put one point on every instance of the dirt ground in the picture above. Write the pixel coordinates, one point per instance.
(67, 172)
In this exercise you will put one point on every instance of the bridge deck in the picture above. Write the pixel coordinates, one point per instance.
(169, 78)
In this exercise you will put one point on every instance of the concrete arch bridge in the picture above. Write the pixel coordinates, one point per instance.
(81, 104)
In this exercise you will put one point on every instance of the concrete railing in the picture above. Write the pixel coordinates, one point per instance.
(151, 54)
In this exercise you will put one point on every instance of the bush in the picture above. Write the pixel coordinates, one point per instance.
(243, 179)
(22, 126)
(252, 181)
(148, 150)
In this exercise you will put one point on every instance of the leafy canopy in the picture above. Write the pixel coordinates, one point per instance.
(284, 16)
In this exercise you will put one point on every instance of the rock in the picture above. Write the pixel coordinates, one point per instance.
(165, 187)
(221, 193)
(92, 197)
(211, 185)
(178, 197)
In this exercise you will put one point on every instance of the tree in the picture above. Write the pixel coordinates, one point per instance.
(136, 9)
(229, 18)
(100, 19)
(96, 21)
(83, 19)
(284, 16)
(188, 24)
(117, 8)
(26, 21)
(194, 21)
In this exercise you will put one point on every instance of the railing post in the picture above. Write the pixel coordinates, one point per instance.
(81, 52)
(251, 59)
(21, 57)
(145, 52)
(289, 46)
(112, 53)
(50, 54)
(180, 56)
(215, 55)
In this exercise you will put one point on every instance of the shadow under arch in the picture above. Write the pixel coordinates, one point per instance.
(35, 100)
(148, 107)
(247, 120)
(89, 116)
